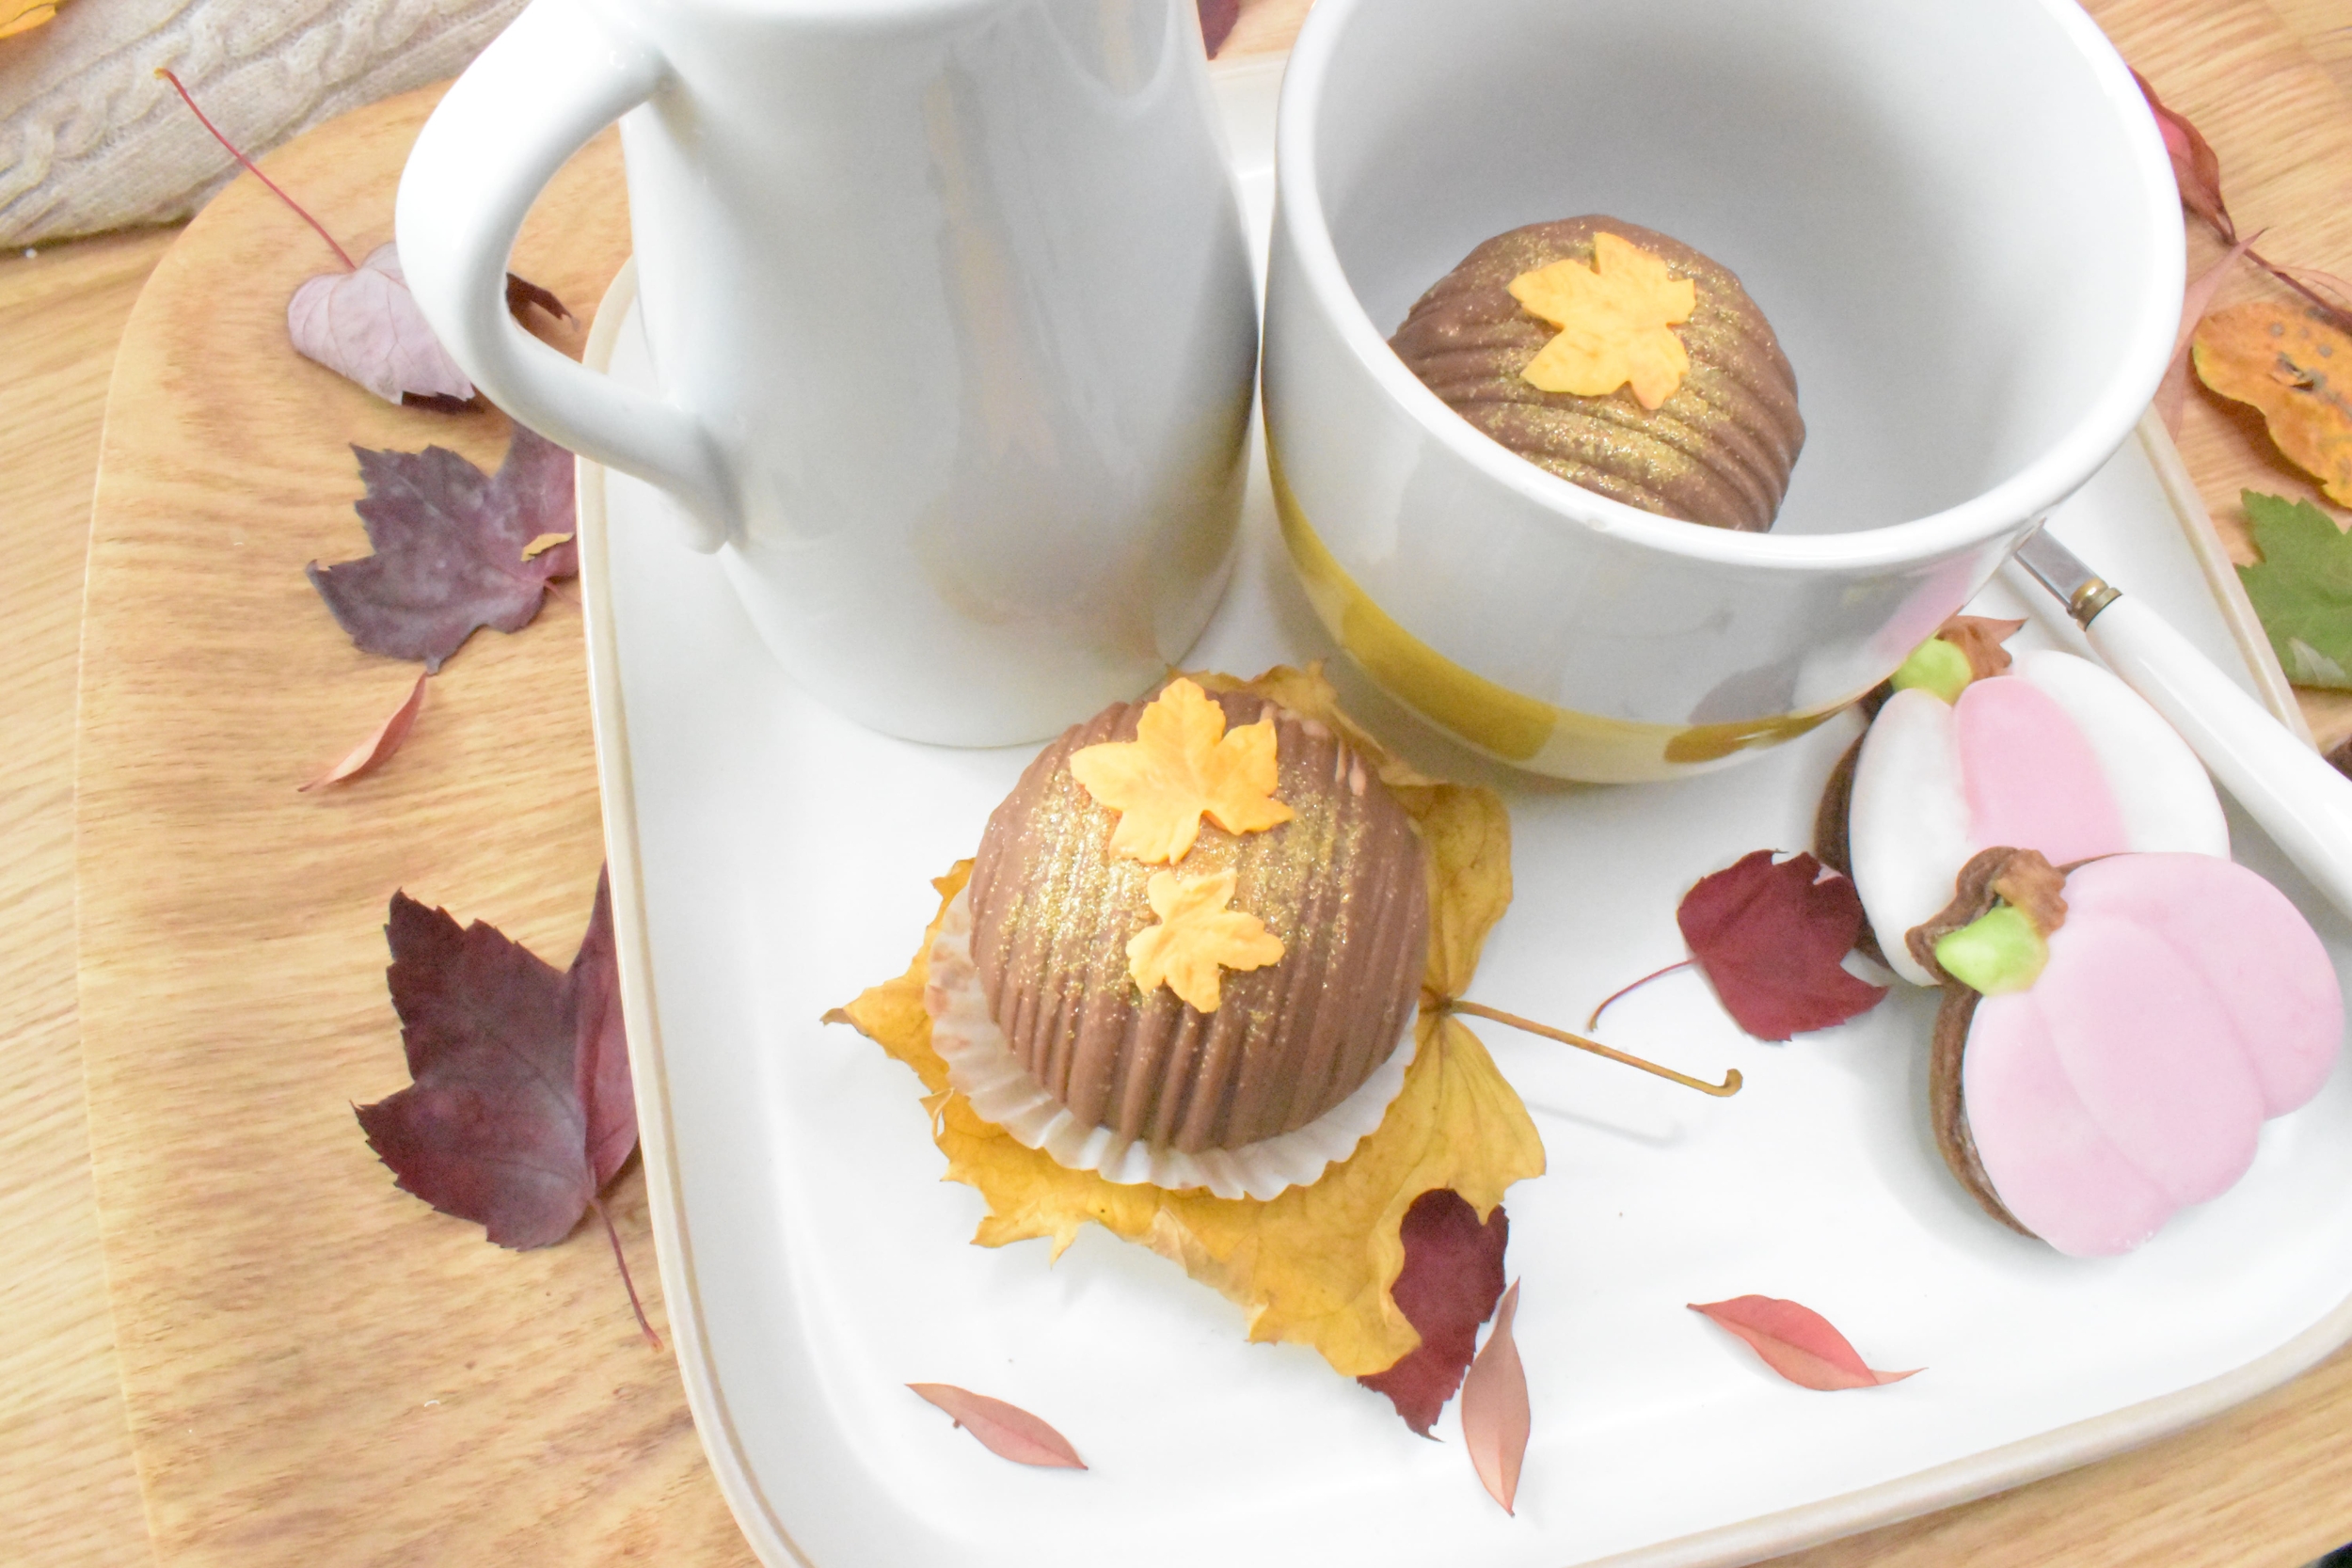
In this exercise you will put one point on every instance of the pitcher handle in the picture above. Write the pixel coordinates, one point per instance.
(560, 73)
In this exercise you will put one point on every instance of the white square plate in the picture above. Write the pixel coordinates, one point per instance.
(772, 859)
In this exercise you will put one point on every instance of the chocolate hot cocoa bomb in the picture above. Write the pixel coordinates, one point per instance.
(1717, 452)
(1341, 884)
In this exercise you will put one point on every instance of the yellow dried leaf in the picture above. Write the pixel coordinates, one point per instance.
(2287, 360)
(1617, 321)
(1314, 1264)
(1181, 766)
(1197, 937)
(23, 16)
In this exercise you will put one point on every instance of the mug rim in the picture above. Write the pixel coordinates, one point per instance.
(2014, 503)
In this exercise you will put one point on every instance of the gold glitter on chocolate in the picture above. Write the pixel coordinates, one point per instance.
(1717, 452)
(1341, 885)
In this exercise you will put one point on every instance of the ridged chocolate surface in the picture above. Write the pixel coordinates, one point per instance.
(1341, 884)
(1718, 451)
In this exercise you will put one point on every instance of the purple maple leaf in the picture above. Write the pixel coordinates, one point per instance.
(520, 1109)
(449, 544)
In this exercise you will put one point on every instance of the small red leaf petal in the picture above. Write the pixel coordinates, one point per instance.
(1494, 1407)
(1005, 1430)
(371, 753)
(1216, 22)
(1771, 938)
(2196, 168)
(1797, 1343)
(1452, 1273)
(523, 295)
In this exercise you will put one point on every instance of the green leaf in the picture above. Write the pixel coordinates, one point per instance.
(2303, 588)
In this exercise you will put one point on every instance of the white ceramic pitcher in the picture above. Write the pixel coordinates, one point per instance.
(951, 309)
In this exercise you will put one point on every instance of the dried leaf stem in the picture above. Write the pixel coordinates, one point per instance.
(1730, 1085)
(1594, 1022)
(251, 167)
(631, 1285)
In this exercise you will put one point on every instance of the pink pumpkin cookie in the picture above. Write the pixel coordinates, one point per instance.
(2043, 751)
(2113, 1036)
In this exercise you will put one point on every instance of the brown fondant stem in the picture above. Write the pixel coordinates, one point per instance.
(1730, 1085)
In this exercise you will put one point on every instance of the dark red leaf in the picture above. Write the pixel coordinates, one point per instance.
(520, 1106)
(600, 1067)
(448, 546)
(1797, 1343)
(522, 293)
(1452, 1274)
(1216, 22)
(1005, 1430)
(2196, 168)
(1768, 939)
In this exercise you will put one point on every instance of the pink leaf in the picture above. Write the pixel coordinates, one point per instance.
(2172, 391)
(365, 325)
(1797, 1343)
(387, 739)
(1494, 1407)
(1005, 1430)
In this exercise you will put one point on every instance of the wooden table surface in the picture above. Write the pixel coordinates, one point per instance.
(2270, 1483)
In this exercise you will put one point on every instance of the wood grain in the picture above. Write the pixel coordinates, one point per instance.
(2282, 126)
(65, 1447)
(319, 1369)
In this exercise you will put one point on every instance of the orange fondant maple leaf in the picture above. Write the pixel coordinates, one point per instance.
(1617, 321)
(1197, 937)
(1181, 766)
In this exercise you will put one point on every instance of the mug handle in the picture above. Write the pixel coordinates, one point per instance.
(560, 73)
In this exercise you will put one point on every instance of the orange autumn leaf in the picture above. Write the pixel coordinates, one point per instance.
(1196, 937)
(2284, 359)
(1183, 766)
(1617, 321)
(1314, 1265)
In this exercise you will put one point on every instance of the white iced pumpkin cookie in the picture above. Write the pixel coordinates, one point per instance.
(1977, 748)
(2113, 1035)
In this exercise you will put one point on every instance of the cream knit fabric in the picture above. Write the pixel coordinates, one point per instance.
(90, 140)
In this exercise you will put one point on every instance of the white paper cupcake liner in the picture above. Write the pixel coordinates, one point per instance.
(983, 1068)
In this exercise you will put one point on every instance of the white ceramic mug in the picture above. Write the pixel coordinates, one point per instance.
(1957, 217)
(950, 308)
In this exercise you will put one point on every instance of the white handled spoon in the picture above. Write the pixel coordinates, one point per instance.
(2301, 801)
